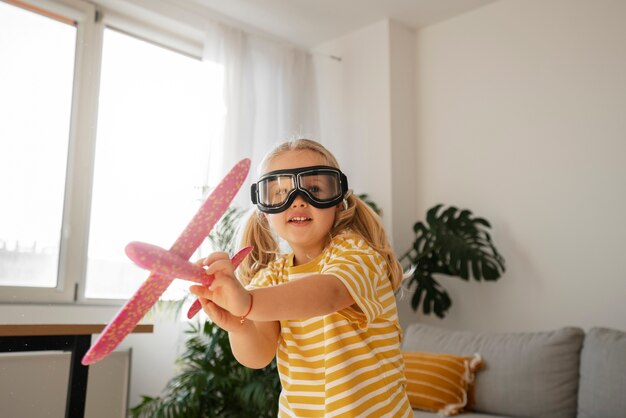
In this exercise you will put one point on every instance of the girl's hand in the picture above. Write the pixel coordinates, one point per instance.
(225, 300)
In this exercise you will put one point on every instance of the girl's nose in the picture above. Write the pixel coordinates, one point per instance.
(299, 202)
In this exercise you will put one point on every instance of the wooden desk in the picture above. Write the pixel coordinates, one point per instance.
(75, 338)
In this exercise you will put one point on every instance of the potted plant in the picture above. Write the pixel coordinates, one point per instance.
(454, 243)
(212, 383)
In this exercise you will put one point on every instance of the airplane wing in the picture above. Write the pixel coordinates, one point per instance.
(190, 239)
(127, 318)
(211, 211)
(165, 263)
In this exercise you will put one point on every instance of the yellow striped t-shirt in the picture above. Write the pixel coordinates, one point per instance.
(347, 363)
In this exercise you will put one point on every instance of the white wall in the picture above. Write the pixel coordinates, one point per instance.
(374, 145)
(403, 144)
(522, 119)
(518, 116)
(355, 113)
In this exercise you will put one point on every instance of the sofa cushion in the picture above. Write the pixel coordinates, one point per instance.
(602, 374)
(439, 382)
(526, 373)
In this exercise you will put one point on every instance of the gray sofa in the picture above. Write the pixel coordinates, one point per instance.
(564, 373)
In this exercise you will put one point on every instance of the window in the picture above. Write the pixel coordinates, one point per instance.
(157, 110)
(36, 76)
(109, 127)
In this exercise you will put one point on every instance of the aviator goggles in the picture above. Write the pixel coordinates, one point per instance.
(321, 186)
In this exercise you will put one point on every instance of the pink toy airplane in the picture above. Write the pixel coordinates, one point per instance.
(165, 265)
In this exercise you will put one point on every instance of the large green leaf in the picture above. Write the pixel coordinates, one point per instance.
(429, 294)
(454, 243)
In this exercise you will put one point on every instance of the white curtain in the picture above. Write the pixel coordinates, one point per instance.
(269, 93)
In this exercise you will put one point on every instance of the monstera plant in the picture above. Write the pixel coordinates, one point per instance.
(451, 242)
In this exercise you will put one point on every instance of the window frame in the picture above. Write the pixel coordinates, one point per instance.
(91, 20)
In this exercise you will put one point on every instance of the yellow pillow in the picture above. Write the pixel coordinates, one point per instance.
(440, 382)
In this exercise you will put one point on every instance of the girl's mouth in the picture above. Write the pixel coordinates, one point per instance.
(299, 219)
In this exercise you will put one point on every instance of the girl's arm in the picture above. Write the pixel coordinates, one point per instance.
(311, 296)
(255, 349)
(315, 295)
(255, 341)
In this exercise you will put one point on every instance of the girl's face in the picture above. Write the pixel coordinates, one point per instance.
(302, 225)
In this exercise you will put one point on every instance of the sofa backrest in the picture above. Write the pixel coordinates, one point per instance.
(532, 374)
(602, 387)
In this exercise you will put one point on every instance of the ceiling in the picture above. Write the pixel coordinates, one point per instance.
(313, 22)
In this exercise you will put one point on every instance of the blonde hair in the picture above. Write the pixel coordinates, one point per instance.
(355, 216)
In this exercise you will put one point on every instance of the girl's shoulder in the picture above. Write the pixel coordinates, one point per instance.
(279, 263)
(272, 273)
(349, 248)
(350, 241)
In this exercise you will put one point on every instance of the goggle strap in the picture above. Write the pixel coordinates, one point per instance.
(253, 194)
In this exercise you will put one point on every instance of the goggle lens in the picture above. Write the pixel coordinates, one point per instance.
(274, 191)
(322, 187)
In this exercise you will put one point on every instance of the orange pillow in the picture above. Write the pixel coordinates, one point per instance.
(440, 382)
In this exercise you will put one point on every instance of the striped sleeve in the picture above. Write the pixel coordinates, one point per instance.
(361, 270)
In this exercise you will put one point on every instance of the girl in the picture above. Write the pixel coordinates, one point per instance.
(327, 309)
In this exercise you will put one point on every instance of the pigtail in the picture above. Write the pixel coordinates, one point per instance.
(360, 218)
(256, 233)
